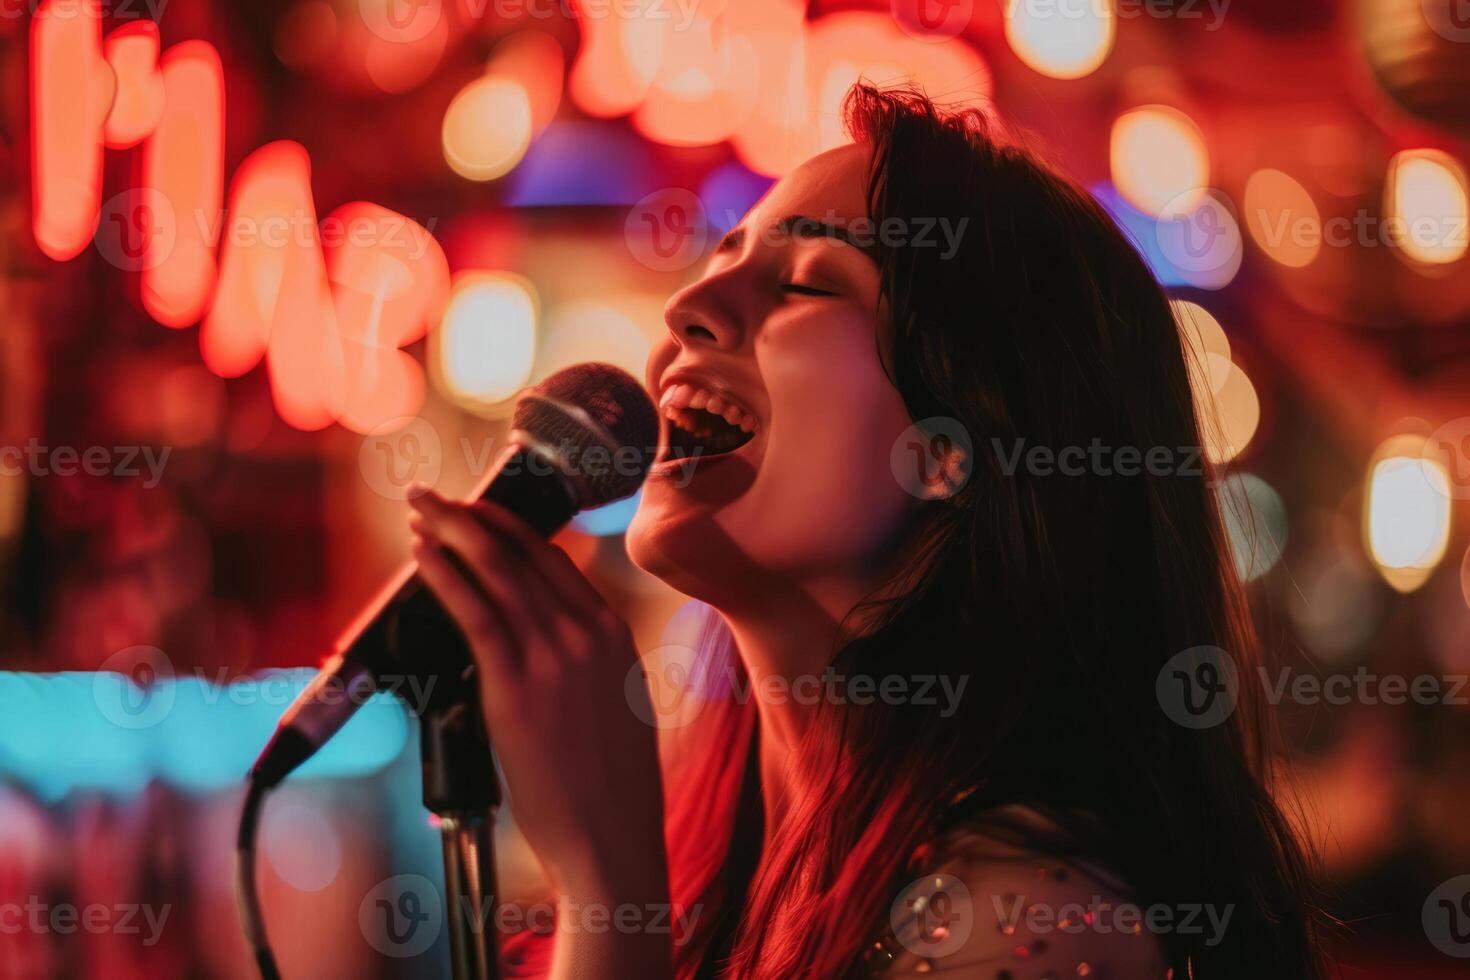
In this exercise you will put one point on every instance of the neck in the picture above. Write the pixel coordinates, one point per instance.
(786, 644)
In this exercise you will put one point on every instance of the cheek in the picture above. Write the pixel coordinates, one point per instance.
(826, 479)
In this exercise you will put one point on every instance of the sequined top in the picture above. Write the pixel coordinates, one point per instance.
(986, 909)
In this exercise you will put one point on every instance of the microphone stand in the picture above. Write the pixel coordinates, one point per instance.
(462, 789)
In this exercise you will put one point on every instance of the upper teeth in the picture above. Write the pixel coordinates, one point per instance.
(677, 396)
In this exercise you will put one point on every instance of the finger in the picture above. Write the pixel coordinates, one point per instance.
(477, 617)
(549, 561)
(524, 601)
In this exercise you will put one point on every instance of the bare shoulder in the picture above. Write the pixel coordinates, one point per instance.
(987, 908)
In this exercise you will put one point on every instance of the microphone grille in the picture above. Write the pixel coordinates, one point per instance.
(593, 405)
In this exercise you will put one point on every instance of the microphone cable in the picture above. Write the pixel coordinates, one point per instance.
(252, 918)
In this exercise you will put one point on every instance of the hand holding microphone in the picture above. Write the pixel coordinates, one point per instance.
(492, 610)
(581, 765)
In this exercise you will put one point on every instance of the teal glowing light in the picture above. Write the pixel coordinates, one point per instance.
(100, 732)
(608, 520)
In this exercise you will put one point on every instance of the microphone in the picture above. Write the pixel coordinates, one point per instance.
(582, 438)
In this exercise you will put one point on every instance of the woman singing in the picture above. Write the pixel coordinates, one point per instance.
(1000, 826)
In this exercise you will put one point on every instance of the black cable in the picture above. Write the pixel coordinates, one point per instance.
(250, 912)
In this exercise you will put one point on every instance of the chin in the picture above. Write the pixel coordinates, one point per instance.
(679, 543)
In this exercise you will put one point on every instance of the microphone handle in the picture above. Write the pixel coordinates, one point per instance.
(405, 641)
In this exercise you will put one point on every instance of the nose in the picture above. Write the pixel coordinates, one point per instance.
(705, 314)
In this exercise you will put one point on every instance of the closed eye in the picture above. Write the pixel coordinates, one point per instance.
(800, 290)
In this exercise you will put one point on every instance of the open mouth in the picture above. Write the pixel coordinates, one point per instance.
(703, 424)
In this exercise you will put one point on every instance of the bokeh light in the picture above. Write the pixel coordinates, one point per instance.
(1060, 40)
(606, 331)
(1255, 522)
(1407, 513)
(1282, 219)
(1427, 206)
(1159, 161)
(487, 341)
(487, 128)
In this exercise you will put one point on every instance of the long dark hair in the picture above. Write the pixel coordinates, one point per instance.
(1061, 595)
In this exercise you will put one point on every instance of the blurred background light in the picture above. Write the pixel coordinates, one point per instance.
(583, 163)
(1158, 160)
(487, 340)
(487, 128)
(1206, 348)
(1427, 200)
(1282, 218)
(728, 192)
(1407, 513)
(534, 61)
(609, 520)
(594, 331)
(1061, 40)
(1255, 522)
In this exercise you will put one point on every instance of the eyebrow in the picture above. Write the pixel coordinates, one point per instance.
(798, 226)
